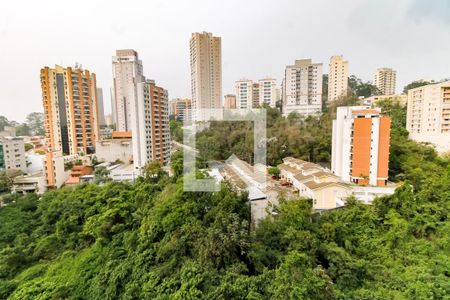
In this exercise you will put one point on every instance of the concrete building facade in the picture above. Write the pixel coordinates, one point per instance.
(337, 77)
(302, 88)
(101, 108)
(111, 150)
(229, 102)
(12, 154)
(206, 74)
(360, 145)
(428, 115)
(127, 72)
(385, 80)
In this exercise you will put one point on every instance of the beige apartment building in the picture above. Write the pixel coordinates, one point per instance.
(251, 94)
(229, 101)
(206, 74)
(71, 110)
(268, 92)
(428, 115)
(337, 77)
(385, 80)
(302, 88)
(181, 109)
(244, 93)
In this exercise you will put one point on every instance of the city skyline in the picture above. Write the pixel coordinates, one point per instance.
(405, 44)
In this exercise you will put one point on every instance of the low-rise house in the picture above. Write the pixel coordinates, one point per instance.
(314, 182)
(33, 183)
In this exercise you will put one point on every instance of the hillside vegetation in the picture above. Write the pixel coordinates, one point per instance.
(154, 241)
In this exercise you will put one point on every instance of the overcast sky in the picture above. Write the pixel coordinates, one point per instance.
(259, 38)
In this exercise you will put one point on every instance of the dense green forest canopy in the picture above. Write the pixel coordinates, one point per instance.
(151, 240)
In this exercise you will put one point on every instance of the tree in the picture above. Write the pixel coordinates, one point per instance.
(176, 131)
(28, 147)
(23, 129)
(7, 179)
(4, 122)
(360, 88)
(101, 175)
(152, 171)
(415, 84)
(35, 123)
(274, 171)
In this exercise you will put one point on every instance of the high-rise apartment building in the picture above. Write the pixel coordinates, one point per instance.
(244, 94)
(302, 88)
(384, 80)
(428, 115)
(268, 92)
(101, 109)
(142, 108)
(337, 77)
(150, 126)
(206, 74)
(127, 72)
(360, 145)
(70, 108)
(229, 101)
(181, 108)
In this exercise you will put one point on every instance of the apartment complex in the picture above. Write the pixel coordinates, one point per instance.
(127, 72)
(314, 182)
(229, 102)
(12, 154)
(302, 88)
(151, 135)
(181, 108)
(251, 94)
(206, 74)
(71, 110)
(244, 94)
(337, 78)
(428, 115)
(268, 92)
(360, 145)
(385, 80)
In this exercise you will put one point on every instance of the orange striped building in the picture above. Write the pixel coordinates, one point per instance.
(360, 146)
(150, 125)
(69, 97)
